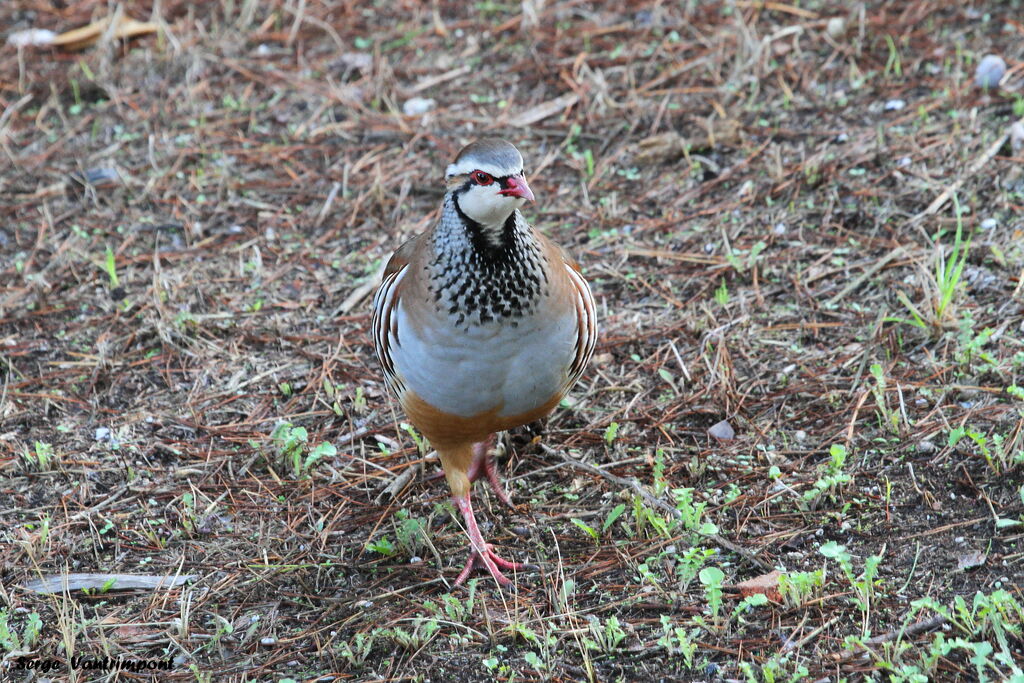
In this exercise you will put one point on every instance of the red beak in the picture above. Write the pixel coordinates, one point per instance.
(517, 187)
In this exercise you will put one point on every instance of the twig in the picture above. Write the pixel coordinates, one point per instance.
(910, 632)
(866, 275)
(327, 205)
(115, 582)
(635, 486)
(791, 645)
(980, 162)
(853, 420)
(99, 506)
(362, 290)
(398, 483)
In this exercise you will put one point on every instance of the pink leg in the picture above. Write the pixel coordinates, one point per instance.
(483, 458)
(480, 551)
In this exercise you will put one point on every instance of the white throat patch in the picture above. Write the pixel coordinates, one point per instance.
(483, 204)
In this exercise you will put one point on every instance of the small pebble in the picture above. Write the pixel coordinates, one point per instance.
(709, 248)
(102, 433)
(31, 36)
(842, 137)
(415, 559)
(779, 229)
(989, 223)
(926, 447)
(644, 18)
(262, 50)
(905, 161)
(836, 27)
(357, 60)
(268, 641)
(1017, 137)
(722, 431)
(800, 435)
(417, 106)
(990, 71)
(958, 539)
(895, 105)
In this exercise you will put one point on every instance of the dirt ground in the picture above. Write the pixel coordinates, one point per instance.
(766, 198)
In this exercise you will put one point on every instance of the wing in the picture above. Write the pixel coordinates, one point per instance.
(384, 325)
(586, 322)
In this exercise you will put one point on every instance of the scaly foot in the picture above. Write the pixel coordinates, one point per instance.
(481, 552)
(492, 563)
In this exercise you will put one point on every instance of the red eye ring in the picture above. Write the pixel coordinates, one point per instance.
(481, 178)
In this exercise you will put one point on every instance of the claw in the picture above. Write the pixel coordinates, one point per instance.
(481, 552)
(491, 562)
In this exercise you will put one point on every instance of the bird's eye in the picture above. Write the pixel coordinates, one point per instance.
(482, 178)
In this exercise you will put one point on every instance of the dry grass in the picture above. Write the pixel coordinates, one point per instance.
(748, 202)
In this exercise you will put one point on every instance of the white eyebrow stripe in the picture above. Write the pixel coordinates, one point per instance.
(468, 166)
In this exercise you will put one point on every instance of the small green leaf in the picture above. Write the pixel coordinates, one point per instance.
(110, 266)
(711, 576)
(586, 527)
(613, 515)
(832, 550)
(324, 450)
(611, 432)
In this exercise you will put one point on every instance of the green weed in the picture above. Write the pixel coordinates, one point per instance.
(677, 642)
(604, 637)
(9, 638)
(832, 479)
(864, 584)
(291, 442)
(40, 458)
(799, 588)
(712, 578)
(357, 650)
(942, 285)
(1000, 457)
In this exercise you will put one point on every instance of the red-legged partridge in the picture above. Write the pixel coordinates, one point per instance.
(481, 324)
